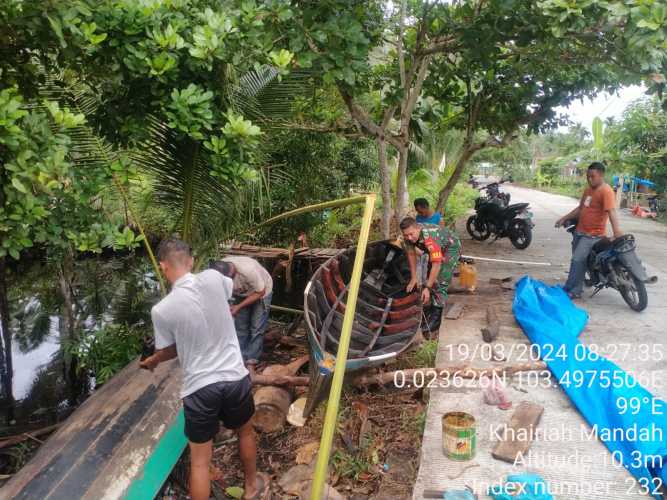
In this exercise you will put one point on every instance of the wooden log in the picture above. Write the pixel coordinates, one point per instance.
(453, 311)
(500, 281)
(459, 289)
(19, 438)
(290, 369)
(492, 329)
(436, 374)
(271, 407)
(282, 380)
(518, 435)
(383, 378)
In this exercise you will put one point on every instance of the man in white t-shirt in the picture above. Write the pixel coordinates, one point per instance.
(194, 323)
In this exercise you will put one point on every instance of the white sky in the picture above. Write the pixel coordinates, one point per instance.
(604, 105)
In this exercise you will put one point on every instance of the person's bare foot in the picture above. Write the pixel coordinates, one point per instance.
(259, 490)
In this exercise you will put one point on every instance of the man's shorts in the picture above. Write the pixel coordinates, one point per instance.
(229, 402)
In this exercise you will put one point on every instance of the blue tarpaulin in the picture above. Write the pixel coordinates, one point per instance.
(630, 421)
(628, 182)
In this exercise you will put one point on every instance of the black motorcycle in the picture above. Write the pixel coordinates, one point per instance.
(494, 217)
(614, 264)
(493, 194)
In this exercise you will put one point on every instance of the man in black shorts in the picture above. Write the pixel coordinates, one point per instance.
(194, 323)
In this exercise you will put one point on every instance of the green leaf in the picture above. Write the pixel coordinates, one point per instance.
(19, 185)
(645, 23)
(58, 29)
(14, 253)
(281, 59)
(234, 492)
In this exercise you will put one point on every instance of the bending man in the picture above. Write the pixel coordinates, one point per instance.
(443, 248)
(253, 289)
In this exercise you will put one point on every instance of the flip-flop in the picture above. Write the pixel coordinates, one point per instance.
(263, 485)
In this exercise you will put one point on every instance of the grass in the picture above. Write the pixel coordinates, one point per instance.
(571, 189)
(350, 466)
(414, 423)
(424, 356)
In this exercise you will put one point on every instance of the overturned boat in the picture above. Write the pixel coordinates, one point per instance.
(386, 318)
(122, 442)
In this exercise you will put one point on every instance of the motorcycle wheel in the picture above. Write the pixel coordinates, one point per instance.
(479, 230)
(521, 234)
(632, 289)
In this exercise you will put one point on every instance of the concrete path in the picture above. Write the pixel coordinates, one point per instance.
(576, 466)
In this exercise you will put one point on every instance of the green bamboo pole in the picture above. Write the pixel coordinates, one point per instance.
(147, 245)
(331, 415)
(319, 206)
(286, 309)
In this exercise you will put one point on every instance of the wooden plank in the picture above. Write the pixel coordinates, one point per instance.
(519, 432)
(453, 311)
(12, 440)
(492, 329)
(500, 281)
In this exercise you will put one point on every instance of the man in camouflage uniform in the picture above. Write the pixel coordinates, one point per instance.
(443, 248)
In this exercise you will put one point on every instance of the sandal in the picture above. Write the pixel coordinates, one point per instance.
(263, 486)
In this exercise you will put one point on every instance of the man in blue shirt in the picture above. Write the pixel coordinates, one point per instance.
(425, 215)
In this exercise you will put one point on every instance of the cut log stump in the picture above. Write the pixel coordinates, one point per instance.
(271, 407)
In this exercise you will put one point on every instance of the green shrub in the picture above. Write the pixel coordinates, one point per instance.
(105, 352)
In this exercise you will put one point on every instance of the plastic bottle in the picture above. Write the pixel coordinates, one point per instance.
(468, 276)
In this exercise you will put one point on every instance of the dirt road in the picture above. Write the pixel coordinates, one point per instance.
(578, 466)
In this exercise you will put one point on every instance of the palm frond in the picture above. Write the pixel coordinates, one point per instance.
(182, 182)
(265, 96)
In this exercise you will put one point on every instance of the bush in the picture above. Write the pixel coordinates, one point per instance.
(426, 184)
(107, 351)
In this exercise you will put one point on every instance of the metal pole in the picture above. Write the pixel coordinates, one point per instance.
(331, 415)
(504, 261)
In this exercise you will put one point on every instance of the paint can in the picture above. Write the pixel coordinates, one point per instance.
(459, 435)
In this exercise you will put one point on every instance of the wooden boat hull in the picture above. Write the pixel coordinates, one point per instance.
(122, 442)
(386, 317)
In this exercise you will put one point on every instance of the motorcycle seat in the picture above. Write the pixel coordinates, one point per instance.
(517, 207)
(603, 245)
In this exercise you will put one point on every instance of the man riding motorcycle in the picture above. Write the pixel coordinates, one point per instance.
(596, 206)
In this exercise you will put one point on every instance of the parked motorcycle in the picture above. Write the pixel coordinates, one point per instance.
(494, 195)
(614, 264)
(494, 217)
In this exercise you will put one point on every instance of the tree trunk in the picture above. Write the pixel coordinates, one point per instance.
(445, 192)
(65, 279)
(6, 364)
(402, 194)
(386, 187)
(75, 383)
